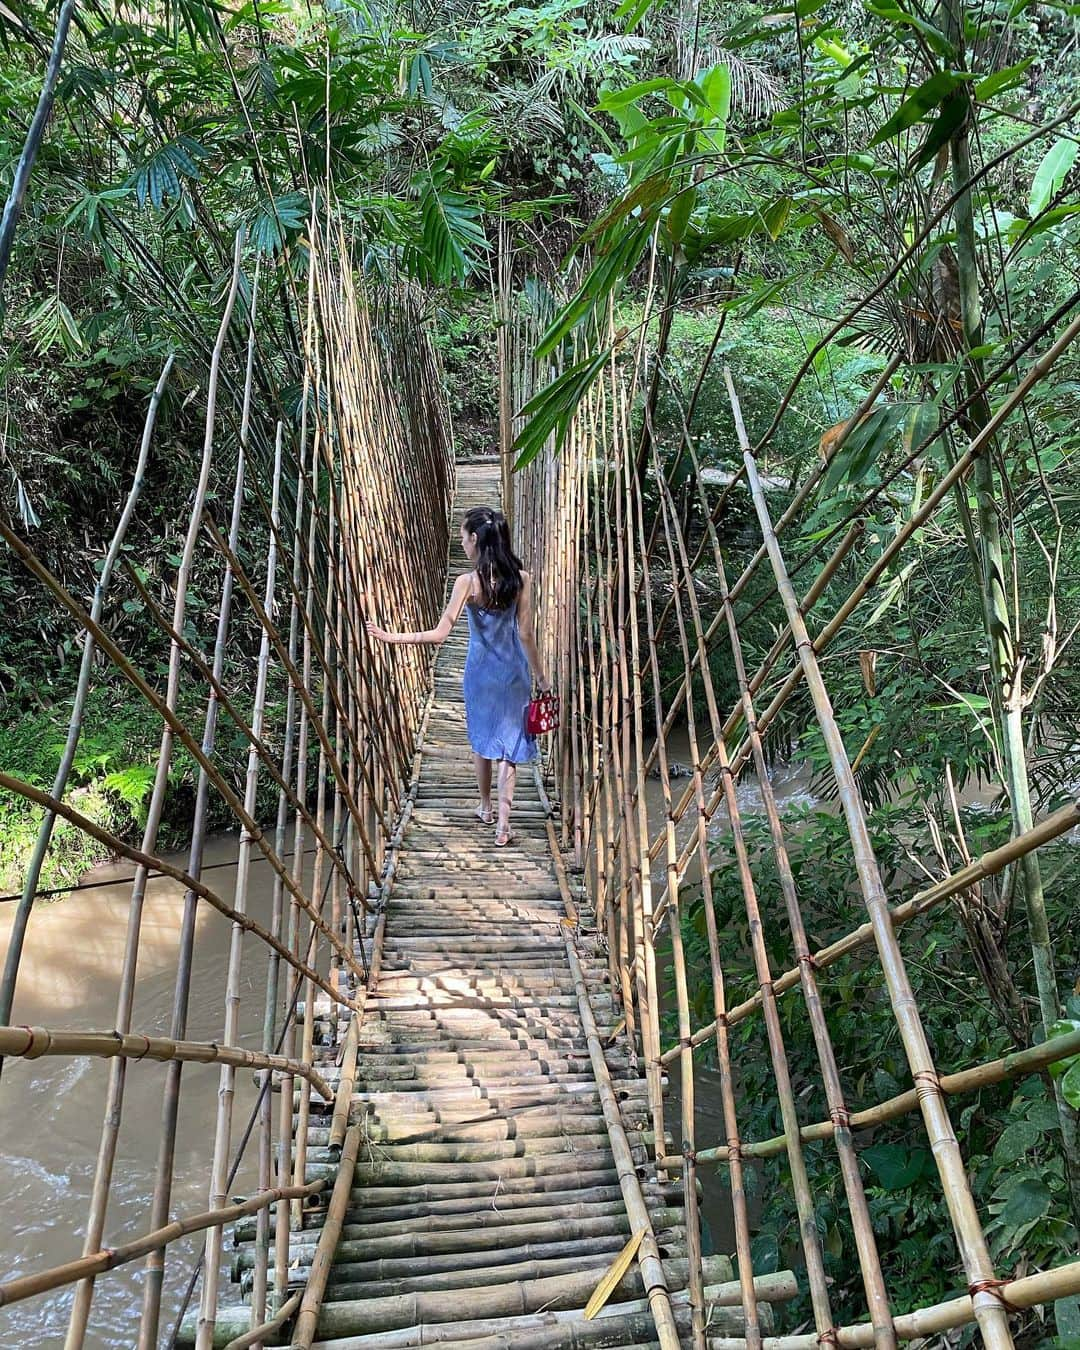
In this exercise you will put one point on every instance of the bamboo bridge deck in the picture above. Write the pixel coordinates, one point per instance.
(486, 1202)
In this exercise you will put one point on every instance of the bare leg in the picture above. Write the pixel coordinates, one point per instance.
(507, 783)
(483, 783)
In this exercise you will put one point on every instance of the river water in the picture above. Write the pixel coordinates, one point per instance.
(51, 1108)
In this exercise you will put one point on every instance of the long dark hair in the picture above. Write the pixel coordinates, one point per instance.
(498, 567)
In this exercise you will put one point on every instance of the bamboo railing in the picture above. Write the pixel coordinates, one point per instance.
(327, 516)
(599, 523)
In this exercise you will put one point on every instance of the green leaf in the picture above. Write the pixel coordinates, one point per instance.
(895, 1166)
(942, 129)
(1067, 1316)
(935, 38)
(552, 409)
(1051, 173)
(1070, 1085)
(1017, 1140)
(1030, 1200)
(966, 1034)
(765, 1254)
(928, 95)
(1002, 79)
(860, 451)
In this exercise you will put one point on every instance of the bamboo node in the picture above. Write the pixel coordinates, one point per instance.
(995, 1287)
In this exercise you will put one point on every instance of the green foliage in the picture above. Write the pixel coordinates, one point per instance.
(1009, 1133)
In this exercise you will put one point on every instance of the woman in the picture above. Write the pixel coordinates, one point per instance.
(497, 594)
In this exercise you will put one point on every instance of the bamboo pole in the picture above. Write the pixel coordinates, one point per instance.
(159, 1204)
(1003, 1070)
(989, 1312)
(35, 1042)
(96, 1263)
(319, 1274)
(265, 1330)
(226, 1089)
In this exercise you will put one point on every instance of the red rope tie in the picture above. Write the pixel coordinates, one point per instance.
(840, 1117)
(927, 1083)
(830, 1336)
(734, 1151)
(995, 1287)
(808, 959)
(722, 1019)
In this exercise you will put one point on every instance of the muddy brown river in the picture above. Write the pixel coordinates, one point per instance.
(51, 1108)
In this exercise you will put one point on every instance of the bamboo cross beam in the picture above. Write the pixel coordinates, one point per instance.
(994, 1071)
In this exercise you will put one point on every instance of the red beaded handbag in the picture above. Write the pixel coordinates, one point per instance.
(542, 714)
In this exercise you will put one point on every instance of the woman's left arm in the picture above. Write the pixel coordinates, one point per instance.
(526, 630)
(431, 636)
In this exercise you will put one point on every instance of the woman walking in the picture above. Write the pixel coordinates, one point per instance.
(497, 595)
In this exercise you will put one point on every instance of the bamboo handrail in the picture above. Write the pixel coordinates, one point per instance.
(992, 1071)
(97, 1263)
(34, 1042)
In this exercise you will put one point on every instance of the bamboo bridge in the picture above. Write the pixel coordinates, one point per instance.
(476, 1117)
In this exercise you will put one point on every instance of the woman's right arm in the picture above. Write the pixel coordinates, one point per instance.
(431, 636)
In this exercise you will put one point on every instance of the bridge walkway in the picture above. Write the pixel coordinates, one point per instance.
(486, 1200)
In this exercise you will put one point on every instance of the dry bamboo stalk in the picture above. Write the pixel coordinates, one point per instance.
(1016, 1065)
(223, 1125)
(96, 1263)
(989, 1312)
(648, 1257)
(159, 1206)
(34, 1042)
(346, 1083)
(110, 1128)
(308, 1317)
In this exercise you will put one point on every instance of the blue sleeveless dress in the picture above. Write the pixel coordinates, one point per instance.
(497, 686)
